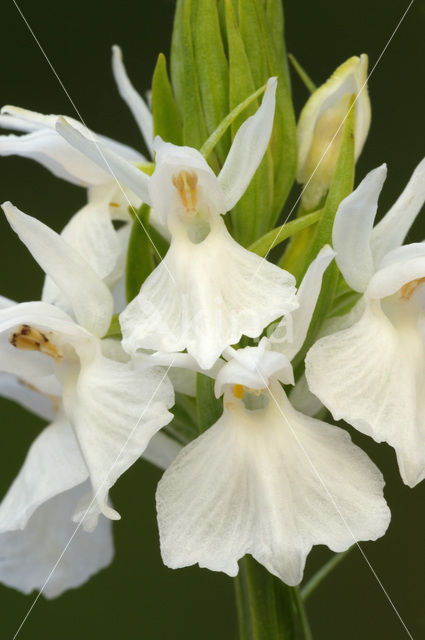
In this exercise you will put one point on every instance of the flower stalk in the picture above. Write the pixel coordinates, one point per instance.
(267, 608)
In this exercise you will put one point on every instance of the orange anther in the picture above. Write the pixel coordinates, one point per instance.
(186, 184)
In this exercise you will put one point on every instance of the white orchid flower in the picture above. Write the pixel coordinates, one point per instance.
(208, 291)
(114, 407)
(371, 372)
(319, 130)
(265, 479)
(36, 514)
(90, 231)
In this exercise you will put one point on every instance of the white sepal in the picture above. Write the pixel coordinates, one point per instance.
(47, 147)
(106, 158)
(248, 148)
(391, 231)
(289, 336)
(352, 230)
(89, 298)
(135, 102)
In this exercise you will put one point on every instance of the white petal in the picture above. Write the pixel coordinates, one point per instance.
(105, 157)
(248, 148)
(15, 389)
(352, 230)
(90, 299)
(391, 231)
(307, 296)
(170, 159)
(53, 465)
(253, 367)
(92, 234)
(204, 297)
(28, 557)
(255, 483)
(162, 450)
(399, 266)
(372, 375)
(115, 410)
(134, 101)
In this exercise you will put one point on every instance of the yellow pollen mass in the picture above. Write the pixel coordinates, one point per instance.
(238, 391)
(29, 339)
(409, 288)
(186, 184)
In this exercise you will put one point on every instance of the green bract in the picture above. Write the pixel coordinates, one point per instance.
(222, 52)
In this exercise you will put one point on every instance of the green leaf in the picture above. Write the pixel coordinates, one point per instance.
(267, 608)
(209, 408)
(283, 143)
(166, 118)
(341, 187)
(185, 79)
(275, 19)
(114, 330)
(140, 261)
(253, 42)
(263, 245)
(177, 55)
(251, 215)
(212, 69)
(209, 144)
(308, 82)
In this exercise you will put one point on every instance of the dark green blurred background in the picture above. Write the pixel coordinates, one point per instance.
(138, 597)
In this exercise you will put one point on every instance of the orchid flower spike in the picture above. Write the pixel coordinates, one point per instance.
(319, 129)
(371, 371)
(208, 291)
(112, 408)
(266, 479)
(90, 231)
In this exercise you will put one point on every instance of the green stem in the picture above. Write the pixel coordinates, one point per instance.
(267, 608)
(302, 614)
(320, 575)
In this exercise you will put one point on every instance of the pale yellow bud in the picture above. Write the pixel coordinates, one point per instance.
(320, 127)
